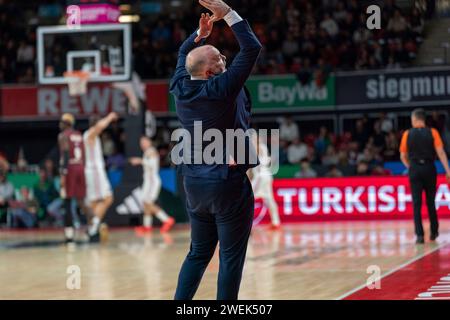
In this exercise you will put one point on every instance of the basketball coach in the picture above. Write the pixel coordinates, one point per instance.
(418, 149)
(219, 196)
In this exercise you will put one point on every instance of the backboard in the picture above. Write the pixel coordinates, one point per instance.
(103, 50)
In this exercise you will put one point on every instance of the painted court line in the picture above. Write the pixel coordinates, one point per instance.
(420, 256)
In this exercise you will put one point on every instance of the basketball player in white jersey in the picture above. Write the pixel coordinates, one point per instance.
(99, 195)
(151, 188)
(262, 180)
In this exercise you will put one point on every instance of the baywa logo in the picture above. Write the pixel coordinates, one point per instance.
(230, 146)
(269, 92)
(407, 88)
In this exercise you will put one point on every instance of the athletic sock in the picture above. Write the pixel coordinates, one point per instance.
(148, 220)
(161, 215)
(94, 227)
(69, 232)
(275, 217)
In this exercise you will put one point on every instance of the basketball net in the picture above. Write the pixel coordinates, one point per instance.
(77, 82)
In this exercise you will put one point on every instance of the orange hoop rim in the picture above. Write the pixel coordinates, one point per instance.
(81, 75)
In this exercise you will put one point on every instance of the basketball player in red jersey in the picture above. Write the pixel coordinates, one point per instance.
(73, 184)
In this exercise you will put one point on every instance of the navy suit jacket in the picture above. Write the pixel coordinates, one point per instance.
(219, 102)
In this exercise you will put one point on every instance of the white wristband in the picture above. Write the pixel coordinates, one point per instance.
(232, 18)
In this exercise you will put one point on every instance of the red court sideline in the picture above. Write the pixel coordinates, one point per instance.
(425, 278)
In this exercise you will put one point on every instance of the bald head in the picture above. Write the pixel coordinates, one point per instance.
(205, 62)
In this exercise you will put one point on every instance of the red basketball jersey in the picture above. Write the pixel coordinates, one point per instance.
(76, 146)
(75, 179)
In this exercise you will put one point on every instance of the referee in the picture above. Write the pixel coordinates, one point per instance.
(418, 150)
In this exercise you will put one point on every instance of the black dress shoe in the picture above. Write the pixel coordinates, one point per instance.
(433, 236)
(420, 240)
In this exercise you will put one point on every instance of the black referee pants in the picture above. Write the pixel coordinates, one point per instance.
(422, 177)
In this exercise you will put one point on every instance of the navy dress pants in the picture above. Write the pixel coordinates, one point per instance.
(220, 211)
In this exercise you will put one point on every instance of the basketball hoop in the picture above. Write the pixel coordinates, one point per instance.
(77, 82)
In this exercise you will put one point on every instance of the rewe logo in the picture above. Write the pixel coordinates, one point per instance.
(101, 100)
(131, 204)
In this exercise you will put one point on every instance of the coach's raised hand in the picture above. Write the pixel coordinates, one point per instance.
(204, 27)
(217, 7)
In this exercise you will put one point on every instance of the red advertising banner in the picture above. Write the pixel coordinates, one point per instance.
(19, 102)
(349, 198)
(157, 96)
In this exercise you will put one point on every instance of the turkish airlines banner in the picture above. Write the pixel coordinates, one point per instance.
(37, 102)
(352, 198)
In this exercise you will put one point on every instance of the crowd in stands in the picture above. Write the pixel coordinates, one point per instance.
(362, 150)
(334, 36)
(29, 206)
(305, 37)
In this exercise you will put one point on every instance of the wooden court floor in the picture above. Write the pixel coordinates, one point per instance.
(326, 260)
